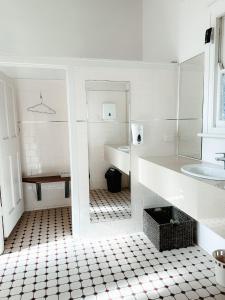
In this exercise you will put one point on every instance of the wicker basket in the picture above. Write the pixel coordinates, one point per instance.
(169, 228)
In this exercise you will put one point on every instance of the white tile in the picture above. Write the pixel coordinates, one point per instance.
(52, 297)
(64, 288)
(153, 294)
(27, 296)
(15, 297)
(39, 294)
(138, 270)
(4, 293)
(52, 291)
(64, 296)
(141, 296)
(76, 294)
(192, 295)
(180, 297)
(6, 285)
(16, 291)
(100, 288)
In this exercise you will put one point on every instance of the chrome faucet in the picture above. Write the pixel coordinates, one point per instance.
(222, 158)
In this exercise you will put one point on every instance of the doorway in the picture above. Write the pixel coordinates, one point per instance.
(35, 175)
(108, 106)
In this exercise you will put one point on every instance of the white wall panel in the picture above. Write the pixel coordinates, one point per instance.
(72, 28)
(160, 30)
(194, 19)
(159, 134)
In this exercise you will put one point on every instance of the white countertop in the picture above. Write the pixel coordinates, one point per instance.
(175, 163)
(118, 158)
(202, 199)
(116, 147)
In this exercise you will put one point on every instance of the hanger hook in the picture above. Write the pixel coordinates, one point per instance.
(41, 97)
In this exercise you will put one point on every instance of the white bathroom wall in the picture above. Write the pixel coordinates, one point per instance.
(102, 132)
(175, 29)
(154, 102)
(153, 93)
(182, 25)
(194, 19)
(44, 139)
(72, 28)
(160, 30)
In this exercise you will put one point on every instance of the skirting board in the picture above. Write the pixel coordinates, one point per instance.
(47, 207)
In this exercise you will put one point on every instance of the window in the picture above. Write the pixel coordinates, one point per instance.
(222, 96)
(220, 74)
(214, 95)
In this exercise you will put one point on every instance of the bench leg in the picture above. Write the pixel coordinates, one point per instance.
(38, 189)
(67, 189)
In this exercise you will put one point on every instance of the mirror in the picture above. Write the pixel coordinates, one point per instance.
(109, 150)
(191, 95)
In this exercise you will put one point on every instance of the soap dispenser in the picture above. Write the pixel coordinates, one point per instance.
(137, 133)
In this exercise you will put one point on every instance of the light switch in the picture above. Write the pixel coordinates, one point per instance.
(109, 111)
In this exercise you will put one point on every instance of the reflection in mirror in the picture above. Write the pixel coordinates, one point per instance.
(190, 107)
(109, 150)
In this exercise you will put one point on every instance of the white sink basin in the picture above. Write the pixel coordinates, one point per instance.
(204, 171)
(124, 149)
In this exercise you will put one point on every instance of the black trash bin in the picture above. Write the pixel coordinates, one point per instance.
(113, 178)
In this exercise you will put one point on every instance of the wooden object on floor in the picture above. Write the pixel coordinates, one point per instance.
(39, 180)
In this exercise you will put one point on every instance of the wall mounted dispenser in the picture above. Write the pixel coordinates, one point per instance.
(208, 35)
(109, 111)
(137, 133)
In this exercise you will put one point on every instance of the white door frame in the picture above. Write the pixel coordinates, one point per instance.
(11, 181)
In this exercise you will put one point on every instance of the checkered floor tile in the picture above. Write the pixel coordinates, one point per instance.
(42, 261)
(105, 206)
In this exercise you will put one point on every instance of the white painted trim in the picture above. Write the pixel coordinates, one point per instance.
(48, 207)
(63, 63)
(211, 135)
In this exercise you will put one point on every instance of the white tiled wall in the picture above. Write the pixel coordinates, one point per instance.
(54, 95)
(154, 100)
(44, 144)
(153, 94)
(45, 148)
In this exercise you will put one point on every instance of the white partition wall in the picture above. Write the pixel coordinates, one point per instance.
(153, 93)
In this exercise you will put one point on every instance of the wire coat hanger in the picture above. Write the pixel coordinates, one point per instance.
(41, 108)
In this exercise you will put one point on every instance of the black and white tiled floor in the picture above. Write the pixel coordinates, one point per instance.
(105, 206)
(42, 261)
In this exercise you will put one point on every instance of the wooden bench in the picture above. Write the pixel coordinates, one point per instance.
(39, 180)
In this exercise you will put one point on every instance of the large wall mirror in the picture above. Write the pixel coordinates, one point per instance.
(109, 150)
(191, 97)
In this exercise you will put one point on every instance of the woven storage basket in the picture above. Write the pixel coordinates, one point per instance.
(169, 228)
